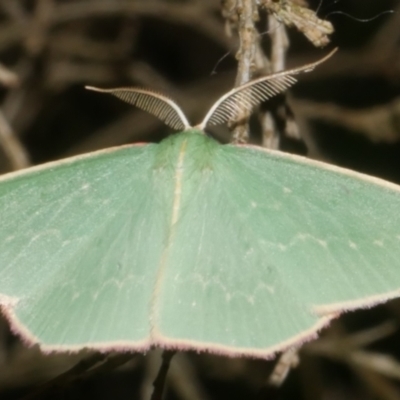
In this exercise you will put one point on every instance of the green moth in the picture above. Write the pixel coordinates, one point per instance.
(190, 244)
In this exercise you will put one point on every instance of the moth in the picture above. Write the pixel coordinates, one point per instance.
(191, 244)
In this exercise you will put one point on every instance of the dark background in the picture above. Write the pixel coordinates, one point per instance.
(348, 112)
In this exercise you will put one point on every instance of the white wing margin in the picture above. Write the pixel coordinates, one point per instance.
(154, 103)
(243, 98)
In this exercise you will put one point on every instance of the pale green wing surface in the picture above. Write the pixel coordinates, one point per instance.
(80, 244)
(191, 244)
(267, 244)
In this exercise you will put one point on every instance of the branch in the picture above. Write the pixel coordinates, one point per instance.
(159, 382)
(13, 148)
(305, 20)
(244, 13)
(378, 124)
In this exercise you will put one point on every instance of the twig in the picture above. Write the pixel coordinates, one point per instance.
(15, 102)
(110, 363)
(370, 366)
(97, 363)
(184, 379)
(39, 25)
(305, 20)
(279, 45)
(65, 378)
(159, 382)
(378, 124)
(12, 146)
(287, 360)
(8, 78)
(349, 349)
(199, 16)
(377, 384)
(195, 15)
(247, 12)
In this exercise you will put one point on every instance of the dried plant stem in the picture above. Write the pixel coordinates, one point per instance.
(12, 146)
(288, 360)
(159, 382)
(291, 13)
(279, 46)
(247, 14)
(378, 124)
(279, 43)
(64, 379)
(8, 77)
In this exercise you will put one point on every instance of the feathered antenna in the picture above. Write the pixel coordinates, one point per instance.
(226, 108)
(245, 97)
(157, 104)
